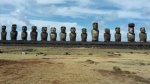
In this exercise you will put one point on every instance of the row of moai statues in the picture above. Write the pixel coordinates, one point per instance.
(72, 35)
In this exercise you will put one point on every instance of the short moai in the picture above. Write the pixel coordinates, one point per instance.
(13, 33)
(72, 34)
(44, 34)
(84, 35)
(117, 34)
(63, 34)
(33, 33)
(107, 35)
(95, 32)
(143, 35)
(53, 34)
(131, 34)
(3, 33)
(24, 33)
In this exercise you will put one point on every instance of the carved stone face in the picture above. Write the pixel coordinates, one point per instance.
(44, 29)
(107, 30)
(131, 25)
(95, 26)
(117, 29)
(131, 30)
(53, 30)
(3, 28)
(73, 29)
(34, 28)
(142, 30)
(63, 29)
(14, 26)
(24, 28)
(84, 30)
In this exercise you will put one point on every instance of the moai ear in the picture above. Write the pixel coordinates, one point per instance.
(74, 29)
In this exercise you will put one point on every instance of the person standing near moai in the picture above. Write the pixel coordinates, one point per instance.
(33, 33)
(72, 34)
(53, 34)
(13, 33)
(84, 35)
(44, 34)
(24, 33)
(117, 34)
(95, 32)
(3, 33)
(107, 35)
(131, 34)
(63, 34)
(143, 35)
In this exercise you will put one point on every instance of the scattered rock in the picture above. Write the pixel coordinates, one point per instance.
(23, 53)
(90, 61)
(66, 53)
(1, 51)
(142, 63)
(131, 52)
(90, 54)
(117, 69)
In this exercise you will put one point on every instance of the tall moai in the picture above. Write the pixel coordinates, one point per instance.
(44, 34)
(72, 34)
(143, 35)
(63, 34)
(131, 34)
(13, 33)
(24, 33)
(84, 35)
(107, 35)
(3, 33)
(117, 34)
(95, 32)
(53, 34)
(33, 33)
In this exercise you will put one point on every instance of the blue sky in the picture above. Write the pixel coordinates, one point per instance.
(76, 13)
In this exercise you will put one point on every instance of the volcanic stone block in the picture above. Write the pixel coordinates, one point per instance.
(143, 35)
(131, 34)
(84, 35)
(33, 33)
(117, 34)
(13, 33)
(3, 33)
(63, 34)
(95, 32)
(72, 34)
(44, 34)
(107, 35)
(24, 33)
(53, 34)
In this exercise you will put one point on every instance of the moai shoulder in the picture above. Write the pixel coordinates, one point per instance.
(53, 34)
(117, 34)
(95, 32)
(107, 35)
(13, 33)
(143, 35)
(84, 35)
(63, 33)
(72, 34)
(44, 34)
(3, 33)
(24, 33)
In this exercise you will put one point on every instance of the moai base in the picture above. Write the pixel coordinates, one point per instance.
(24, 33)
(13, 33)
(63, 34)
(44, 34)
(131, 34)
(72, 34)
(33, 33)
(53, 34)
(117, 34)
(3, 33)
(95, 32)
(84, 35)
(107, 35)
(143, 35)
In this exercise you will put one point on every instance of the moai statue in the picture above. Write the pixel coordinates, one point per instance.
(143, 35)
(84, 35)
(107, 35)
(95, 32)
(131, 34)
(33, 33)
(72, 34)
(44, 34)
(63, 34)
(3, 33)
(24, 33)
(13, 33)
(53, 34)
(117, 34)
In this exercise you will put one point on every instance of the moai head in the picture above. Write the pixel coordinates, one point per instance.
(95, 26)
(63, 29)
(34, 28)
(24, 28)
(142, 29)
(53, 30)
(44, 29)
(3, 28)
(107, 30)
(117, 29)
(73, 29)
(13, 28)
(131, 25)
(131, 30)
(84, 30)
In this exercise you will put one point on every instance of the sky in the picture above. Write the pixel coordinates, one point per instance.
(76, 13)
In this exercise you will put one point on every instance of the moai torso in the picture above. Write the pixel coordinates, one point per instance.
(33, 33)
(13, 33)
(72, 34)
(84, 35)
(3, 33)
(63, 34)
(107, 35)
(95, 32)
(44, 34)
(53, 34)
(24, 33)
(131, 34)
(143, 35)
(117, 34)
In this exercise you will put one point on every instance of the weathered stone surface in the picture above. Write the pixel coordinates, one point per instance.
(53, 34)
(3, 33)
(84, 35)
(63, 34)
(131, 34)
(72, 34)
(13, 33)
(107, 35)
(44, 34)
(24, 33)
(95, 32)
(117, 34)
(143, 35)
(33, 33)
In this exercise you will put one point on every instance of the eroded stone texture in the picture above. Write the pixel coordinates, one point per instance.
(24, 33)
(72, 34)
(131, 34)
(143, 35)
(44, 34)
(107, 35)
(13, 33)
(63, 34)
(53, 34)
(33, 33)
(95, 32)
(117, 34)
(84, 35)
(3, 33)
